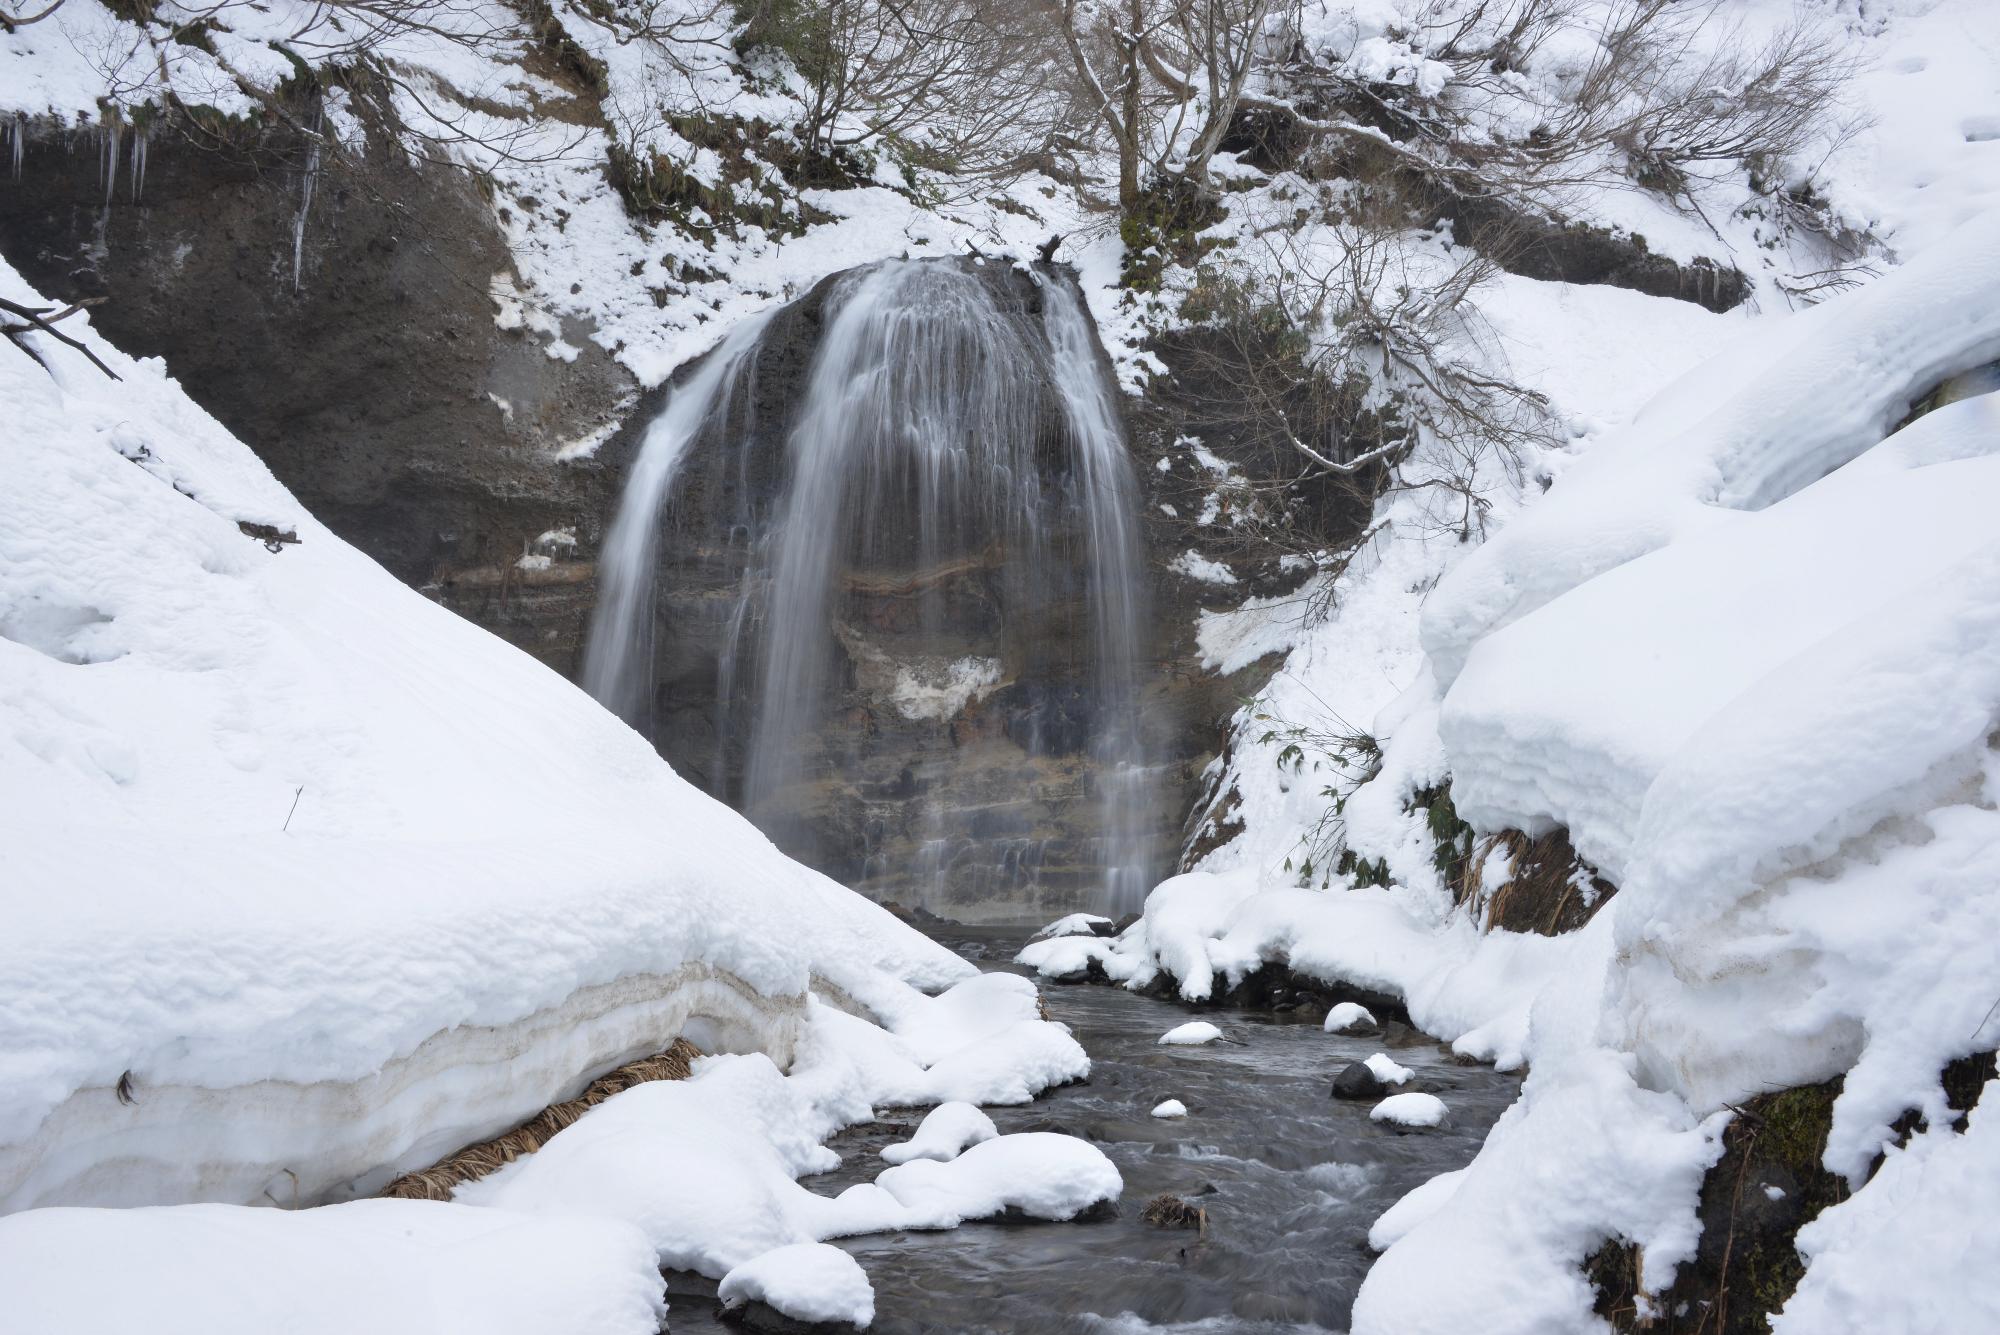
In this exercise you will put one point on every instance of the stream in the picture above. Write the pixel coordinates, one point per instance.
(1290, 1177)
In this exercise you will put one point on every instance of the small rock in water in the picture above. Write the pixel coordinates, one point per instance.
(1171, 1108)
(1358, 1081)
(1165, 1211)
(1194, 1031)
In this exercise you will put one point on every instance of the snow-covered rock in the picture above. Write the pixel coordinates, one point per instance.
(1191, 1034)
(1345, 1015)
(1387, 1070)
(1411, 1109)
(1037, 1173)
(1065, 958)
(1077, 924)
(807, 1281)
(944, 1133)
(1170, 1108)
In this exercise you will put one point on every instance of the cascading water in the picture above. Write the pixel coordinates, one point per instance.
(618, 655)
(951, 457)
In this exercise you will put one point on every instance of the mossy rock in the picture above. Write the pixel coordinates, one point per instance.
(1768, 1184)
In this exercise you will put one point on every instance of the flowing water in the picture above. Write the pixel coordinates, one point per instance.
(1291, 1180)
(938, 425)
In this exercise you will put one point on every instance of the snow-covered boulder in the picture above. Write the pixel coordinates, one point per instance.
(1077, 924)
(308, 882)
(1038, 1174)
(943, 1135)
(1346, 1015)
(807, 1281)
(1192, 1034)
(1411, 1109)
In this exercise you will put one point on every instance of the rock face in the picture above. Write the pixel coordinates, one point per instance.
(372, 379)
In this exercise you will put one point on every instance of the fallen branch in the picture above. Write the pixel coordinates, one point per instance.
(40, 320)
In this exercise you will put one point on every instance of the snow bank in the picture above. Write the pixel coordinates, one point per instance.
(1570, 715)
(1412, 1209)
(330, 880)
(1743, 432)
(807, 1281)
(708, 1167)
(365, 1265)
(1765, 645)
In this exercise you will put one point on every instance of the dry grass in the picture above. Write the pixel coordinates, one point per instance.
(476, 1161)
(1550, 890)
(1173, 1212)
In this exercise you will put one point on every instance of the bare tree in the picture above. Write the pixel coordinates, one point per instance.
(1162, 78)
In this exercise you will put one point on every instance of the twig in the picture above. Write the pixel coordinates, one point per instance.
(41, 320)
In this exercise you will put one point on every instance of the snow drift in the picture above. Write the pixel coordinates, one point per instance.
(309, 882)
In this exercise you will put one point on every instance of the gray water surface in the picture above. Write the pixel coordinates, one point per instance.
(1291, 1180)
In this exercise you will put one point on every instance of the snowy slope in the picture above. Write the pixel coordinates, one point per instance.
(332, 880)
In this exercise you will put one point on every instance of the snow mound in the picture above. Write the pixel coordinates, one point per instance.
(943, 1135)
(1409, 1110)
(1191, 1034)
(807, 1281)
(367, 1265)
(331, 880)
(1035, 1173)
(1346, 1015)
(1170, 1108)
(1385, 1069)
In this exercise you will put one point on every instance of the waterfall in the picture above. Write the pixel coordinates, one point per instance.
(1117, 591)
(938, 429)
(919, 408)
(618, 653)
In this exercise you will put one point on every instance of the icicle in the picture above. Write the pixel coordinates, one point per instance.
(138, 162)
(305, 199)
(20, 142)
(112, 131)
